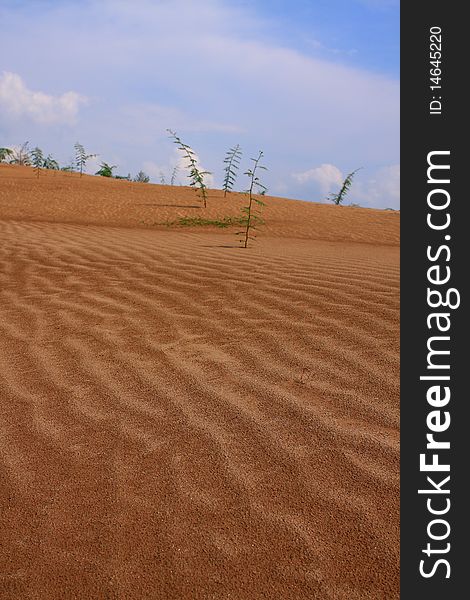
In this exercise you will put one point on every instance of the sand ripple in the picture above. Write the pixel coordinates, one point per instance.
(182, 419)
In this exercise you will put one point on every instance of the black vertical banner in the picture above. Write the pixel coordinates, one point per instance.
(435, 254)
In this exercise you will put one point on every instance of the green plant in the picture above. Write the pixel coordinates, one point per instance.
(81, 157)
(221, 222)
(232, 163)
(21, 156)
(341, 195)
(173, 175)
(250, 215)
(50, 163)
(142, 177)
(37, 160)
(5, 154)
(105, 170)
(196, 176)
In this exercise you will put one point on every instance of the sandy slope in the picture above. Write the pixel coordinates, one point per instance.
(67, 198)
(181, 418)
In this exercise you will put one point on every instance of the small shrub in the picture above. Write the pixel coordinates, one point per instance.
(5, 154)
(105, 170)
(141, 177)
(51, 163)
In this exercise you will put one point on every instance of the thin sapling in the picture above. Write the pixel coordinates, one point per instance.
(173, 175)
(37, 160)
(196, 176)
(232, 164)
(81, 157)
(341, 195)
(250, 213)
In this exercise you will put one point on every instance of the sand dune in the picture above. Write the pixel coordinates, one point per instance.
(184, 419)
(67, 198)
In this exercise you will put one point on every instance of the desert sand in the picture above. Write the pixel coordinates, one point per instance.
(185, 419)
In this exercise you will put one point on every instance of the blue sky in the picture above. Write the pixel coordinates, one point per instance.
(314, 84)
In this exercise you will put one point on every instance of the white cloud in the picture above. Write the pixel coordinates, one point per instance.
(326, 176)
(17, 101)
(157, 171)
(183, 167)
(93, 164)
(383, 189)
(156, 118)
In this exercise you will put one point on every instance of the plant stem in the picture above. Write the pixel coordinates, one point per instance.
(248, 221)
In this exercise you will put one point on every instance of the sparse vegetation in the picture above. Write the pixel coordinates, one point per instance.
(250, 214)
(141, 177)
(173, 175)
(5, 154)
(222, 222)
(105, 170)
(247, 223)
(232, 163)
(196, 176)
(24, 157)
(37, 160)
(341, 195)
(81, 158)
(51, 163)
(21, 156)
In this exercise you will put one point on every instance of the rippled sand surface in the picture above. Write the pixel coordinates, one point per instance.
(185, 419)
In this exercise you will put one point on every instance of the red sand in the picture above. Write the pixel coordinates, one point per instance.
(185, 419)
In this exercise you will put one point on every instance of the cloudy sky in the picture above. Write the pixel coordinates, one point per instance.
(313, 83)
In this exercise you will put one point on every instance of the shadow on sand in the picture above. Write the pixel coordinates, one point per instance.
(222, 246)
(172, 205)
